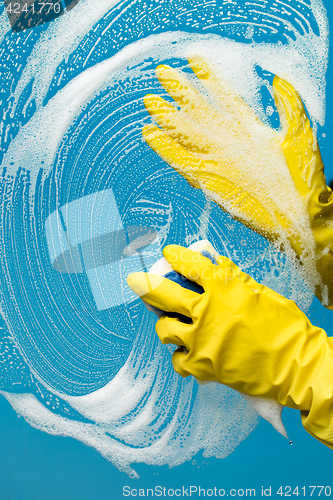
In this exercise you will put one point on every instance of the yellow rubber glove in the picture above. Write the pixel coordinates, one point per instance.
(271, 181)
(243, 335)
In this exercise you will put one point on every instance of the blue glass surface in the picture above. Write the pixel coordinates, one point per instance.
(82, 349)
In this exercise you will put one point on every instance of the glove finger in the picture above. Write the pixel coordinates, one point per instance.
(226, 263)
(184, 162)
(208, 175)
(178, 359)
(236, 272)
(183, 92)
(173, 331)
(300, 144)
(290, 107)
(183, 364)
(198, 268)
(176, 124)
(189, 263)
(227, 98)
(163, 293)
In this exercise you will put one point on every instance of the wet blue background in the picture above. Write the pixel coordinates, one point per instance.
(34, 465)
(37, 466)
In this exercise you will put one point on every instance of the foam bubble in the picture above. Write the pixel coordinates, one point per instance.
(146, 413)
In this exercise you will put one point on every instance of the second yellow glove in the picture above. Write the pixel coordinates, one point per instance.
(271, 181)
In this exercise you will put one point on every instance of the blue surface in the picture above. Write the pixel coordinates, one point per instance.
(35, 465)
(38, 466)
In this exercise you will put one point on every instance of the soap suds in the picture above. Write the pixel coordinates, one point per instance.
(144, 412)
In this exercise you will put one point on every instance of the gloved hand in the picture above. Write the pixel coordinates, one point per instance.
(243, 335)
(271, 181)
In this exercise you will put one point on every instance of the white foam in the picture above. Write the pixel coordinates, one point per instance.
(234, 60)
(219, 419)
(40, 138)
(218, 422)
(62, 36)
